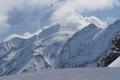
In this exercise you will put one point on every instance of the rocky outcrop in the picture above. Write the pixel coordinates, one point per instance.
(113, 53)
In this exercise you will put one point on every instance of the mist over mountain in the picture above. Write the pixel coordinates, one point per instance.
(18, 17)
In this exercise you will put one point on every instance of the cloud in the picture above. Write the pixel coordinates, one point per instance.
(3, 25)
(96, 21)
(71, 10)
(7, 6)
(117, 2)
(41, 3)
(66, 12)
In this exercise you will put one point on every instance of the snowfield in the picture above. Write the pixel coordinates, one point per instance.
(70, 74)
(115, 63)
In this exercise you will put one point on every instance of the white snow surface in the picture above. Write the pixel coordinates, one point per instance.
(69, 74)
(115, 63)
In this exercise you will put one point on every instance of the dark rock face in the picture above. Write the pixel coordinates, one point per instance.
(113, 53)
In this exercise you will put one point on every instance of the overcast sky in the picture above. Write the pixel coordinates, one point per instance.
(20, 16)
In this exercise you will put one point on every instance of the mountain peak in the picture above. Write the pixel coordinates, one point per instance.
(48, 30)
(117, 21)
(92, 26)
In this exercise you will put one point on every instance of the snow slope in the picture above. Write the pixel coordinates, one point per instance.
(115, 63)
(69, 74)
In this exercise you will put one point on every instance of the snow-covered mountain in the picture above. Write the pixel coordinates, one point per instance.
(40, 51)
(86, 47)
(72, 54)
(56, 47)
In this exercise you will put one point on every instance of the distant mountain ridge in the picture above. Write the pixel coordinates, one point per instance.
(54, 48)
(19, 54)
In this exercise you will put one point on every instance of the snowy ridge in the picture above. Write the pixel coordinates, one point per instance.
(84, 50)
(49, 30)
(75, 44)
(25, 36)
